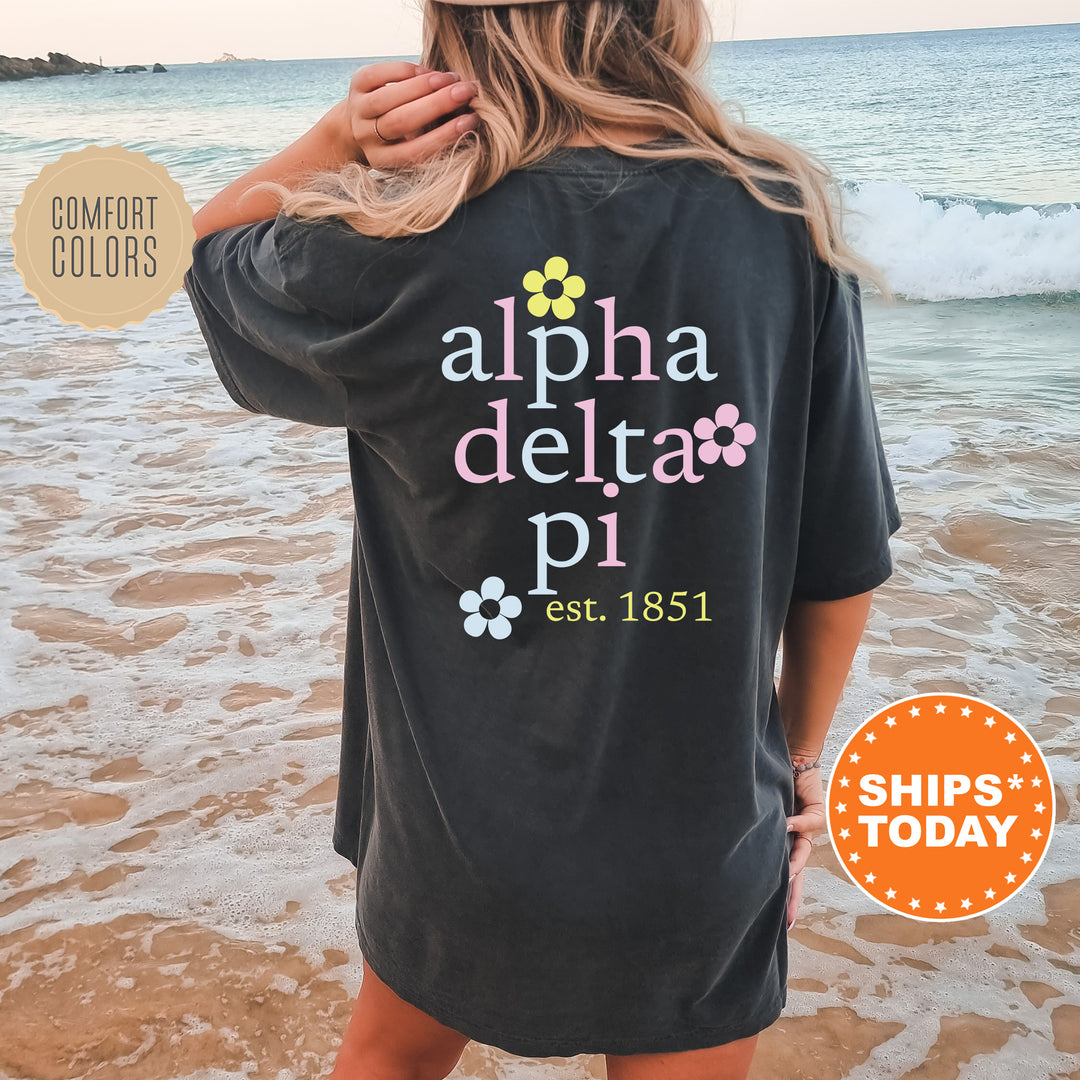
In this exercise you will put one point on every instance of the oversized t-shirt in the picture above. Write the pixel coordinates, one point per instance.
(603, 425)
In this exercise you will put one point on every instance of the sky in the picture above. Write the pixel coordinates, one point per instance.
(142, 32)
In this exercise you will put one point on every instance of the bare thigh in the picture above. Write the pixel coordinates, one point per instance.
(728, 1062)
(389, 1039)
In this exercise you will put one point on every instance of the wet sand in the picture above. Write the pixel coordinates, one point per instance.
(170, 903)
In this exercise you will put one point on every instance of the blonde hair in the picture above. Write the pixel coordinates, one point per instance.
(549, 72)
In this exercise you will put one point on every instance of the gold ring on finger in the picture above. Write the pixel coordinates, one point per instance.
(380, 134)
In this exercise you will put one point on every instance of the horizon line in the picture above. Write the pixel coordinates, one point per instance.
(715, 41)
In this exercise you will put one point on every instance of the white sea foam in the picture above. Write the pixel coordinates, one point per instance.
(944, 248)
(923, 448)
(90, 425)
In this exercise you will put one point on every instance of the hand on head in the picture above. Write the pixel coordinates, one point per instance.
(399, 112)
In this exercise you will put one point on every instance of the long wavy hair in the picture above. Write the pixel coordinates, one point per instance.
(554, 71)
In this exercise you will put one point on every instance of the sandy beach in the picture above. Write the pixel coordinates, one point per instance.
(170, 905)
(174, 593)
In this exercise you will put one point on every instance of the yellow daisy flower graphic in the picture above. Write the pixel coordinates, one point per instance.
(553, 290)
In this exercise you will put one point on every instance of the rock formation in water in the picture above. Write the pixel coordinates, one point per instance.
(14, 67)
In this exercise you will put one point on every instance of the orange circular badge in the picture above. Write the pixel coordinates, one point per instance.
(940, 807)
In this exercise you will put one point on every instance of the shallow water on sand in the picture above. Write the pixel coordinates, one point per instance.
(176, 576)
(175, 585)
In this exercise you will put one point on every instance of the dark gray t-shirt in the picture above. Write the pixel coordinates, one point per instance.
(603, 425)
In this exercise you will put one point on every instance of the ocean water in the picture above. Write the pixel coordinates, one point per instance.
(175, 570)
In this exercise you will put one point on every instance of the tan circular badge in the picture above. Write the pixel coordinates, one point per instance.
(103, 237)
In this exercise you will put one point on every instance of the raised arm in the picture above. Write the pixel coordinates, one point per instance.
(404, 98)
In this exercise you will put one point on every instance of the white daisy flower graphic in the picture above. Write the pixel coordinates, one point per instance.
(489, 609)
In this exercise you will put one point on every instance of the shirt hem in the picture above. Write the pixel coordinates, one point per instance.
(566, 1045)
(342, 849)
(839, 589)
(213, 344)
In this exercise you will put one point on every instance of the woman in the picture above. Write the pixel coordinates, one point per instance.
(597, 350)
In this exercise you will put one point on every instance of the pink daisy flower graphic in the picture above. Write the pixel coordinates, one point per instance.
(724, 436)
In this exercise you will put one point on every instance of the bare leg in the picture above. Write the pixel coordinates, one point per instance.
(728, 1062)
(389, 1039)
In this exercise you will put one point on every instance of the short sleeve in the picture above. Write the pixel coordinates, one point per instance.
(244, 284)
(848, 510)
